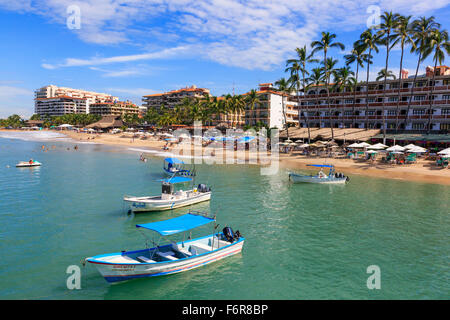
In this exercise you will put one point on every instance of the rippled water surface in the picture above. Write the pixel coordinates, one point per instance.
(302, 241)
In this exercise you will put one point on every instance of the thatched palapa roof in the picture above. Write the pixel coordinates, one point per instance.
(107, 122)
(348, 134)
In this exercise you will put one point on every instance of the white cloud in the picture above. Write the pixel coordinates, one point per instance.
(250, 34)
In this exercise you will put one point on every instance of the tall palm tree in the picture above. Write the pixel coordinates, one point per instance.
(283, 87)
(389, 21)
(402, 35)
(357, 56)
(252, 99)
(316, 79)
(328, 71)
(383, 74)
(368, 40)
(343, 79)
(299, 66)
(439, 45)
(421, 28)
(324, 44)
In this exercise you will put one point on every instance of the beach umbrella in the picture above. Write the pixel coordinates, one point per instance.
(378, 146)
(371, 152)
(288, 141)
(364, 144)
(445, 152)
(354, 145)
(305, 145)
(293, 144)
(417, 149)
(395, 148)
(410, 146)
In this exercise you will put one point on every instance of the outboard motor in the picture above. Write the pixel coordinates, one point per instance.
(228, 234)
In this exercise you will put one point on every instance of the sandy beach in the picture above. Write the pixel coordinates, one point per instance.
(422, 171)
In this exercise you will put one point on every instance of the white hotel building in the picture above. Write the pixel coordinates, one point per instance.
(56, 101)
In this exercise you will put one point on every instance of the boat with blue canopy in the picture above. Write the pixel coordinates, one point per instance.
(333, 177)
(173, 257)
(173, 166)
(170, 198)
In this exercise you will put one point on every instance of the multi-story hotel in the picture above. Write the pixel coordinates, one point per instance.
(55, 101)
(270, 110)
(348, 109)
(113, 108)
(173, 98)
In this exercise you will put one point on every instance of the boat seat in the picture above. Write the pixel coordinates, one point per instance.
(120, 259)
(201, 248)
(176, 248)
(169, 255)
(145, 259)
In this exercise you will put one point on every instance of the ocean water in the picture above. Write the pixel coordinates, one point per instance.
(302, 241)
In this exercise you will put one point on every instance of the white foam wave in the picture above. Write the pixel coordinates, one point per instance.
(33, 135)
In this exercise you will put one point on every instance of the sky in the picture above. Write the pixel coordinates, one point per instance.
(136, 47)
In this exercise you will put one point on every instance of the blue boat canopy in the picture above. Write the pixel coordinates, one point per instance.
(176, 225)
(320, 165)
(246, 139)
(176, 180)
(173, 161)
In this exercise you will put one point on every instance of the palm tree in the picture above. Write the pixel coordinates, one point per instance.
(388, 24)
(330, 70)
(237, 106)
(421, 29)
(324, 45)
(299, 66)
(357, 55)
(283, 87)
(368, 40)
(315, 80)
(252, 99)
(403, 35)
(343, 79)
(440, 45)
(383, 74)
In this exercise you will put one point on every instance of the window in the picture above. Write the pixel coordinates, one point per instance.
(445, 111)
(393, 99)
(445, 126)
(446, 97)
(348, 100)
(348, 113)
(419, 98)
(391, 112)
(370, 112)
(371, 100)
(418, 126)
(418, 111)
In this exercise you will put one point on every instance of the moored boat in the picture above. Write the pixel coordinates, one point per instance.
(333, 177)
(173, 257)
(174, 166)
(169, 198)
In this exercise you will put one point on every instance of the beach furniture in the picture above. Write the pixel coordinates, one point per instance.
(333, 177)
(169, 198)
(165, 259)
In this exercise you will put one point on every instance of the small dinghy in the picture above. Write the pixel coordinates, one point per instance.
(173, 257)
(31, 163)
(332, 177)
(169, 198)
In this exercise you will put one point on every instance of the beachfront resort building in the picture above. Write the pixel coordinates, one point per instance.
(117, 108)
(270, 110)
(168, 100)
(56, 101)
(364, 107)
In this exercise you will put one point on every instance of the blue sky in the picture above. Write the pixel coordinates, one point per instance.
(131, 48)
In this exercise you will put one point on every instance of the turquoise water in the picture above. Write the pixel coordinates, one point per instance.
(302, 241)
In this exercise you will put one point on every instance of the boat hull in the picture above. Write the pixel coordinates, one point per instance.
(127, 271)
(296, 178)
(26, 165)
(137, 205)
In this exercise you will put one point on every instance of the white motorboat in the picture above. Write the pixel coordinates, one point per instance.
(31, 163)
(169, 198)
(171, 258)
(332, 177)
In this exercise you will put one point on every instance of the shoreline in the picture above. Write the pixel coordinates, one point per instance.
(422, 171)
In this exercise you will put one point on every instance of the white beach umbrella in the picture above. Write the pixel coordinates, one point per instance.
(444, 152)
(365, 144)
(288, 141)
(417, 149)
(410, 146)
(354, 145)
(371, 151)
(395, 148)
(305, 145)
(378, 146)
